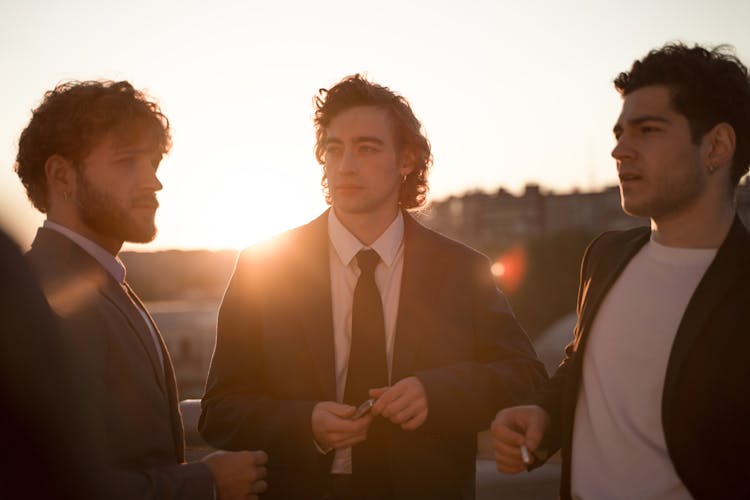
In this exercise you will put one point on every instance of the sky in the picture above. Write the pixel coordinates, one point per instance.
(508, 92)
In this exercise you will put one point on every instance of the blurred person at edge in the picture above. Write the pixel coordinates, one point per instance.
(651, 399)
(39, 403)
(88, 160)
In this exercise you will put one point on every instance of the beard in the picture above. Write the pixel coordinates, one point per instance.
(102, 214)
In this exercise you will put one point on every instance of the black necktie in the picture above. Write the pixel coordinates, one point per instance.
(367, 362)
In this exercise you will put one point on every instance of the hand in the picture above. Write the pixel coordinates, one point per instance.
(404, 403)
(513, 427)
(333, 428)
(237, 474)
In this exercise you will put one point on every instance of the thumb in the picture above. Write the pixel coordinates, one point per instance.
(535, 429)
(342, 410)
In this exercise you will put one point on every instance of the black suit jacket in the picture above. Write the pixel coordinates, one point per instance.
(274, 360)
(706, 402)
(46, 450)
(132, 401)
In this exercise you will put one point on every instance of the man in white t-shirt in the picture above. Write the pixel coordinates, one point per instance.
(651, 399)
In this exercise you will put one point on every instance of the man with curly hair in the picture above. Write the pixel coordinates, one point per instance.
(365, 302)
(88, 159)
(651, 400)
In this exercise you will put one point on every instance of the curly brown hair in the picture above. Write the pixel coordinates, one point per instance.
(356, 90)
(74, 117)
(708, 86)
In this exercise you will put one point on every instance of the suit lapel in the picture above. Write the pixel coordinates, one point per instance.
(730, 264)
(316, 310)
(600, 278)
(418, 290)
(115, 293)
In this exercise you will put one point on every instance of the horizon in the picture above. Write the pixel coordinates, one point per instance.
(508, 94)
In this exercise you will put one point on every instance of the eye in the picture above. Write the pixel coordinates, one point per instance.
(333, 150)
(647, 129)
(125, 161)
(367, 149)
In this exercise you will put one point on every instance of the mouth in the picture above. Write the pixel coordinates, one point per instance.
(149, 203)
(347, 187)
(626, 177)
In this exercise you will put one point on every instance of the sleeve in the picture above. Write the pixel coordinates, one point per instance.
(189, 481)
(463, 398)
(237, 411)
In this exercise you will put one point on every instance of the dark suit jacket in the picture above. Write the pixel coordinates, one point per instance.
(132, 401)
(46, 452)
(706, 402)
(274, 360)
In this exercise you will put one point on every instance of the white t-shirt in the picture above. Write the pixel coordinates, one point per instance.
(618, 448)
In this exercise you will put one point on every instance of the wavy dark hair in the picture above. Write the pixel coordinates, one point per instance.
(356, 90)
(74, 117)
(708, 87)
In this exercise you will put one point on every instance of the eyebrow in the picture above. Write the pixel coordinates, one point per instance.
(639, 120)
(357, 140)
(130, 150)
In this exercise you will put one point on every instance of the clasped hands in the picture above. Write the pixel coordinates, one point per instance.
(404, 403)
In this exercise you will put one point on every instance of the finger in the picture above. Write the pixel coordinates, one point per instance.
(384, 400)
(349, 441)
(508, 469)
(342, 411)
(396, 402)
(534, 434)
(258, 487)
(257, 473)
(404, 415)
(501, 432)
(508, 462)
(507, 450)
(415, 422)
(259, 457)
(377, 392)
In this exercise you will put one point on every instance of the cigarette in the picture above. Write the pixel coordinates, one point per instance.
(525, 455)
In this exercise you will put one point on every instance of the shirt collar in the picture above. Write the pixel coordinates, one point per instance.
(347, 245)
(111, 263)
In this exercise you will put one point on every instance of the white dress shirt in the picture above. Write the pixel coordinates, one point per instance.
(344, 275)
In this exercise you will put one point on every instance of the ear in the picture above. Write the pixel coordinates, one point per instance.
(719, 145)
(408, 162)
(60, 174)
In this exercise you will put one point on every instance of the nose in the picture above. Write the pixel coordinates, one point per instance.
(149, 179)
(622, 150)
(347, 163)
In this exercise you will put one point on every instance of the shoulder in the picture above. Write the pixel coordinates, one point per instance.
(609, 240)
(293, 241)
(422, 239)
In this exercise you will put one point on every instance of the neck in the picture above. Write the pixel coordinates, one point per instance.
(111, 245)
(699, 227)
(367, 227)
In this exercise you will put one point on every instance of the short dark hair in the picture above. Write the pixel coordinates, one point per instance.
(356, 90)
(74, 117)
(708, 87)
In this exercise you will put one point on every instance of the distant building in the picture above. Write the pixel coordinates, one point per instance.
(500, 219)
